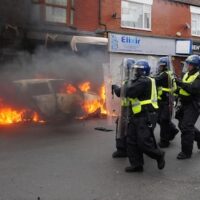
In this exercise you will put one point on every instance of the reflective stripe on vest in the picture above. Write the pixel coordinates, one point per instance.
(189, 80)
(173, 85)
(137, 105)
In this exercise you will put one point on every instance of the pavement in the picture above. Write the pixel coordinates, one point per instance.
(73, 162)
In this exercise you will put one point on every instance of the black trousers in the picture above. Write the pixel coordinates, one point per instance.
(167, 128)
(140, 140)
(187, 116)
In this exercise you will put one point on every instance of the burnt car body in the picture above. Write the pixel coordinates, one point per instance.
(46, 97)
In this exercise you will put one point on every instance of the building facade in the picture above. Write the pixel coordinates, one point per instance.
(142, 28)
(161, 27)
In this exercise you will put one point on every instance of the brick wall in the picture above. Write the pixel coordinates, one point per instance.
(167, 18)
(191, 2)
(86, 15)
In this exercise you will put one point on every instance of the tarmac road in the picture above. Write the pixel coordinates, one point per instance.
(73, 162)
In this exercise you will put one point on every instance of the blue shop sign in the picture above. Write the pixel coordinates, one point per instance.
(141, 45)
(124, 43)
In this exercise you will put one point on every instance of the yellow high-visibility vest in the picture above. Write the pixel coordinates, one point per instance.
(189, 80)
(137, 105)
(172, 88)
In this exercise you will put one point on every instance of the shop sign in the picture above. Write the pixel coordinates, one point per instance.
(196, 48)
(141, 45)
(183, 46)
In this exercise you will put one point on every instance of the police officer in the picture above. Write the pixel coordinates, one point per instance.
(166, 85)
(188, 112)
(142, 94)
(121, 123)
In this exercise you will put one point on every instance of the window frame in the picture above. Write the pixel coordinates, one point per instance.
(72, 9)
(195, 11)
(67, 9)
(143, 4)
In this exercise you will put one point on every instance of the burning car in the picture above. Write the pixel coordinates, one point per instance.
(43, 100)
(55, 99)
(48, 97)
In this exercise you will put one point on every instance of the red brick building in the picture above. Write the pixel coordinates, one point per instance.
(161, 26)
(157, 21)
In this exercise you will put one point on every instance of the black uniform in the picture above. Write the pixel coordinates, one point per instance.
(140, 138)
(188, 114)
(167, 129)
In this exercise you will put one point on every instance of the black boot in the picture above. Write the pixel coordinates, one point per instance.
(131, 169)
(161, 161)
(119, 154)
(182, 156)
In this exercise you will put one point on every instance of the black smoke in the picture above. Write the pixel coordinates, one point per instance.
(55, 63)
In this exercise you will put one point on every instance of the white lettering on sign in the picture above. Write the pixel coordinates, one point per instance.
(195, 47)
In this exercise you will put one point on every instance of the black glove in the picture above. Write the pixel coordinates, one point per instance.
(178, 82)
(113, 87)
(116, 90)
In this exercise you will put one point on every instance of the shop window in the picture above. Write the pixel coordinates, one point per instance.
(195, 20)
(136, 14)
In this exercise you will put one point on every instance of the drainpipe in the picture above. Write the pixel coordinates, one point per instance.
(100, 20)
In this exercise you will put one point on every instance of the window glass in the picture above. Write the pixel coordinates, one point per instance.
(135, 15)
(38, 89)
(58, 86)
(55, 14)
(57, 2)
(196, 24)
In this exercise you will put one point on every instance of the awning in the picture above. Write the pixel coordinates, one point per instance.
(87, 40)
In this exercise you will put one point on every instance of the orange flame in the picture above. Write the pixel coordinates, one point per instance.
(9, 115)
(84, 87)
(70, 89)
(91, 106)
(103, 99)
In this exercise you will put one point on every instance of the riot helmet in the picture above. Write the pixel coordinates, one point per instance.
(141, 68)
(193, 60)
(163, 64)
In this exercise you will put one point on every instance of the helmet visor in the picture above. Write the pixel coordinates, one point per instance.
(133, 73)
(136, 71)
(161, 67)
(126, 73)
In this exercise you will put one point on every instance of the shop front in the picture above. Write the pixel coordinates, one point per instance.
(137, 47)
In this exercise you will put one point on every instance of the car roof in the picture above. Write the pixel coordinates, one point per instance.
(32, 81)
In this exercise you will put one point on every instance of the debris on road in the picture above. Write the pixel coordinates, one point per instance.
(103, 129)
